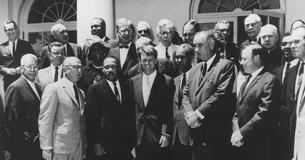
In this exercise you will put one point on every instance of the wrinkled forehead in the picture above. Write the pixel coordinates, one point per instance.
(221, 26)
(188, 28)
(267, 32)
(251, 20)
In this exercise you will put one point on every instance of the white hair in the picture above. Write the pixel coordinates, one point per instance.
(56, 27)
(254, 17)
(267, 29)
(28, 58)
(165, 23)
(143, 23)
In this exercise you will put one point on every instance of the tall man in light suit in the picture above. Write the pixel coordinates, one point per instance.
(153, 93)
(208, 100)
(61, 124)
(181, 140)
(22, 110)
(55, 71)
(256, 109)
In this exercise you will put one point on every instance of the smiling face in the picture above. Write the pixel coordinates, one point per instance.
(125, 34)
(11, 31)
(111, 68)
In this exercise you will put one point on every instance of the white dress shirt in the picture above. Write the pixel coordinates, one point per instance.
(147, 82)
(118, 86)
(123, 54)
(60, 74)
(162, 49)
(10, 44)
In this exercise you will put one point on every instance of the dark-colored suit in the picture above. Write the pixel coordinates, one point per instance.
(257, 110)
(232, 52)
(181, 137)
(22, 110)
(109, 122)
(130, 61)
(72, 49)
(273, 59)
(6, 59)
(2, 130)
(213, 98)
(155, 118)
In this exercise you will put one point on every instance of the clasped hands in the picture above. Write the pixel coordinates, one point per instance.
(192, 119)
(11, 71)
(237, 139)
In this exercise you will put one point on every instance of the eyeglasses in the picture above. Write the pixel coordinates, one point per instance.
(286, 44)
(111, 66)
(180, 57)
(165, 33)
(77, 67)
(95, 26)
(129, 30)
(144, 31)
(55, 54)
(10, 29)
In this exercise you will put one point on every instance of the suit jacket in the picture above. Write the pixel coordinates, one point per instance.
(273, 59)
(130, 61)
(208, 96)
(165, 66)
(257, 116)
(155, 118)
(7, 60)
(72, 50)
(232, 52)
(110, 122)
(22, 110)
(181, 130)
(61, 118)
(44, 77)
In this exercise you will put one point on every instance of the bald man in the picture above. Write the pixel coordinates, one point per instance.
(59, 33)
(22, 110)
(61, 124)
(253, 26)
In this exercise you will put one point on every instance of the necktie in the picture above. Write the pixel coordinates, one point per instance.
(287, 68)
(123, 46)
(146, 91)
(13, 49)
(116, 91)
(166, 53)
(252, 40)
(56, 74)
(301, 68)
(76, 93)
(183, 83)
(203, 70)
(244, 85)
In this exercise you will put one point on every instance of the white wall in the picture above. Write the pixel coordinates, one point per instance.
(294, 10)
(153, 10)
(3, 17)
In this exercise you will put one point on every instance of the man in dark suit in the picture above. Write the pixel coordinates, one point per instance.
(110, 115)
(208, 100)
(11, 53)
(22, 110)
(253, 26)
(126, 50)
(153, 94)
(181, 141)
(228, 49)
(59, 33)
(256, 109)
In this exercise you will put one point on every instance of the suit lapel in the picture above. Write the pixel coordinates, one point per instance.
(129, 55)
(139, 91)
(109, 90)
(70, 51)
(29, 88)
(154, 88)
(254, 81)
(69, 91)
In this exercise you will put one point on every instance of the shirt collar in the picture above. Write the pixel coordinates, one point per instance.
(53, 67)
(127, 44)
(152, 75)
(30, 82)
(255, 73)
(111, 83)
(210, 61)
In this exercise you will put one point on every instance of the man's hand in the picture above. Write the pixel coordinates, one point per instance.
(99, 150)
(191, 117)
(7, 155)
(47, 154)
(164, 141)
(9, 71)
(237, 139)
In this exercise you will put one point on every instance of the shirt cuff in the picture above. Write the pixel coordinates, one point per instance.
(167, 135)
(199, 114)
(46, 148)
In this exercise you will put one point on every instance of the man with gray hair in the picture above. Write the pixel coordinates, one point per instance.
(165, 34)
(126, 50)
(144, 30)
(269, 39)
(22, 110)
(61, 121)
(253, 26)
(59, 33)
(209, 87)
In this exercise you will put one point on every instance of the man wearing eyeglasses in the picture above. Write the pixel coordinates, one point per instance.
(110, 115)
(228, 49)
(61, 121)
(11, 53)
(126, 49)
(22, 109)
(144, 30)
(253, 26)
(54, 72)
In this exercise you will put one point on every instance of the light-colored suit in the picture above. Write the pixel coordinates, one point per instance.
(44, 77)
(60, 120)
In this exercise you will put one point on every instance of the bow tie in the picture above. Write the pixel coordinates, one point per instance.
(253, 40)
(124, 46)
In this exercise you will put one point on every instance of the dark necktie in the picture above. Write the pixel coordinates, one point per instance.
(183, 83)
(116, 91)
(13, 49)
(56, 74)
(301, 68)
(252, 40)
(203, 70)
(76, 93)
(123, 46)
(287, 68)
(166, 53)
(244, 85)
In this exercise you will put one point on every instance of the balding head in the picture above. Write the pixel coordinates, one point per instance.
(252, 25)
(269, 36)
(60, 33)
(29, 66)
(204, 42)
(144, 30)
